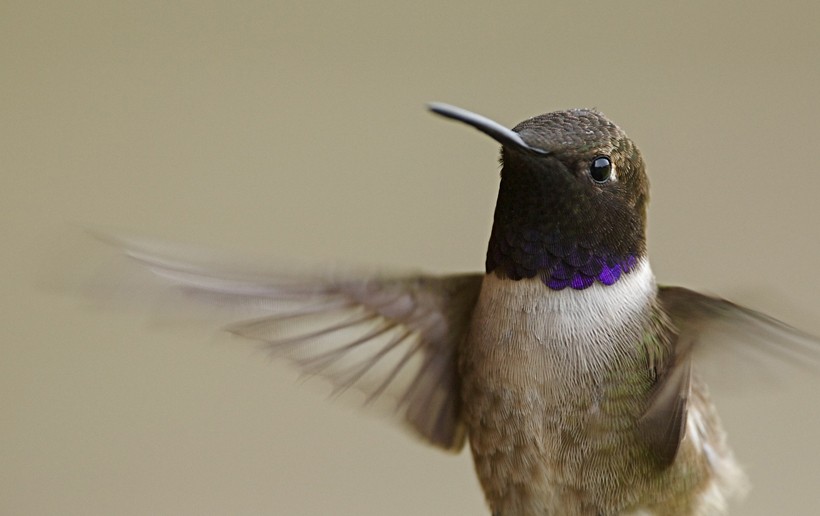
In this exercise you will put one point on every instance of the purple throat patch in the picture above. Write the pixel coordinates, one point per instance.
(560, 275)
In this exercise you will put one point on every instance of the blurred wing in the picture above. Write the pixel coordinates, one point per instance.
(392, 338)
(709, 325)
(663, 424)
(714, 334)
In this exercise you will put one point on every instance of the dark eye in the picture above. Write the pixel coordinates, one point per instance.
(600, 169)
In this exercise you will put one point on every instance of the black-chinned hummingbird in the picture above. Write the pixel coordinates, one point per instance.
(564, 364)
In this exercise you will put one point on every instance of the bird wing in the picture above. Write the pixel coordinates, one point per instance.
(708, 325)
(714, 333)
(391, 337)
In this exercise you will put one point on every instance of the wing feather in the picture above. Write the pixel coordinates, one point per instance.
(710, 325)
(392, 337)
(712, 334)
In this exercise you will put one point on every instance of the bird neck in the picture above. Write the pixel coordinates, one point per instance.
(559, 261)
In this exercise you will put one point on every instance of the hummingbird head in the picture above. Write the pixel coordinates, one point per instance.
(572, 202)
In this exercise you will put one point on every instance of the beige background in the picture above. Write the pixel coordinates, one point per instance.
(298, 130)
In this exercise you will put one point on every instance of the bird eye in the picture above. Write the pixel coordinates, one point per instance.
(600, 169)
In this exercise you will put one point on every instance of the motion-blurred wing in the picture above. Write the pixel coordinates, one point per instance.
(392, 338)
(714, 334)
(717, 335)
(709, 325)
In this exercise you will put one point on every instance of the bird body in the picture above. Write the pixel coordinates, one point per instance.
(568, 369)
(557, 382)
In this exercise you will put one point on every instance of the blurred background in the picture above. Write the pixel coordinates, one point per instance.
(298, 130)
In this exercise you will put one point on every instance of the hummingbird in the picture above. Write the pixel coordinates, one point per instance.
(570, 371)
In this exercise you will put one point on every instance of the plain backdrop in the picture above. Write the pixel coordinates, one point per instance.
(298, 130)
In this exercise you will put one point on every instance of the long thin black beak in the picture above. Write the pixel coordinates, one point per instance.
(506, 137)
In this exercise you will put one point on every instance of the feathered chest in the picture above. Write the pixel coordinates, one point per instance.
(525, 334)
(551, 380)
